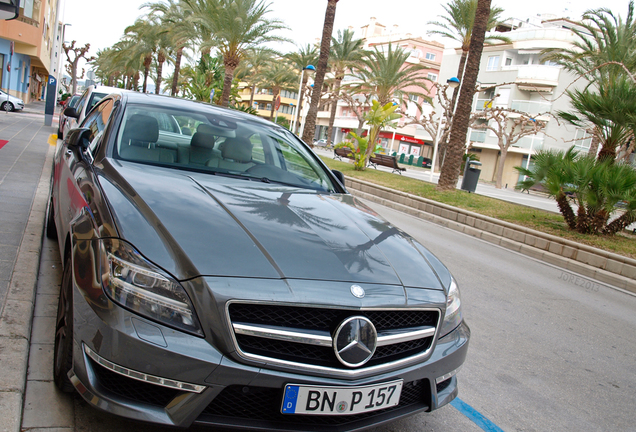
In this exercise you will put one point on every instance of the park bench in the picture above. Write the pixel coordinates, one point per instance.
(339, 153)
(387, 161)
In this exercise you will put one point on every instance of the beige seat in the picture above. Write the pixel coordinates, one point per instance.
(139, 138)
(236, 155)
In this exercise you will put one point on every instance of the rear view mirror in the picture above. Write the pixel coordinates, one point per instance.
(78, 138)
(71, 112)
(339, 176)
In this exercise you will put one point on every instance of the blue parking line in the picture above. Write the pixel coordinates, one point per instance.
(475, 416)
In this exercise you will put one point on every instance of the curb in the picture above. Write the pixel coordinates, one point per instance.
(594, 263)
(17, 315)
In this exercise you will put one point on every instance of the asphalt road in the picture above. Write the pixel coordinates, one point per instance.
(550, 351)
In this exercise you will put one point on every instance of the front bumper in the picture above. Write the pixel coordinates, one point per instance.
(114, 350)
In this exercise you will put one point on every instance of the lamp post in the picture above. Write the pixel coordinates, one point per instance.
(452, 83)
(300, 88)
(304, 114)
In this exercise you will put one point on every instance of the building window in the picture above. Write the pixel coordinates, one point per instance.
(583, 139)
(493, 63)
(432, 77)
(430, 56)
(413, 98)
(508, 61)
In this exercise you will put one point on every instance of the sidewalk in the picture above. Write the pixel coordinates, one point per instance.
(25, 161)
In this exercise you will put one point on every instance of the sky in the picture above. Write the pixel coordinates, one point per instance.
(102, 23)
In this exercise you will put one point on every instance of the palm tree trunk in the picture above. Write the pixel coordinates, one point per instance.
(334, 107)
(177, 70)
(160, 60)
(300, 102)
(275, 92)
(566, 210)
(252, 95)
(620, 223)
(459, 129)
(327, 30)
(230, 66)
(147, 61)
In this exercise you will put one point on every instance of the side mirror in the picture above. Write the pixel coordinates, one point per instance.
(71, 112)
(339, 176)
(79, 138)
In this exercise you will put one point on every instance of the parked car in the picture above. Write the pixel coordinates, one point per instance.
(9, 102)
(320, 143)
(427, 163)
(69, 103)
(229, 279)
(75, 115)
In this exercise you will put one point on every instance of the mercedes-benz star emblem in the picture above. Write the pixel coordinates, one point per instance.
(357, 291)
(355, 341)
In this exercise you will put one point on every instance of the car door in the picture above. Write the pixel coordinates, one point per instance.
(76, 186)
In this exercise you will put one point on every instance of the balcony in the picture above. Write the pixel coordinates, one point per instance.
(531, 142)
(478, 135)
(536, 77)
(531, 107)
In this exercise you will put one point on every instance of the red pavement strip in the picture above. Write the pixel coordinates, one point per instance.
(2, 143)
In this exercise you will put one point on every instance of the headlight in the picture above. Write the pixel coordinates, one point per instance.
(453, 315)
(136, 284)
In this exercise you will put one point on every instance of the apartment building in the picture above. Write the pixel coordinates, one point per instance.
(408, 139)
(29, 49)
(525, 83)
(263, 99)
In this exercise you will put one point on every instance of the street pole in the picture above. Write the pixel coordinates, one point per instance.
(300, 89)
(435, 144)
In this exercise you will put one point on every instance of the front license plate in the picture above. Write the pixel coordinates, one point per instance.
(301, 399)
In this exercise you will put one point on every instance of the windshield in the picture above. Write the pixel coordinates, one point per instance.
(218, 145)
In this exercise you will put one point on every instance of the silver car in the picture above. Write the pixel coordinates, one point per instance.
(216, 272)
(10, 103)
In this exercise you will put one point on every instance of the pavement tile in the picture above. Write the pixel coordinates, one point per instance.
(10, 407)
(13, 353)
(45, 305)
(22, 286)
(41, 362)
(43, 330)
(16, 319)
(44, 397)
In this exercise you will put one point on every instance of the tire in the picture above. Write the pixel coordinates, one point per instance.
(63, 349)
(7, 106)
(50, 221)
(59, 134)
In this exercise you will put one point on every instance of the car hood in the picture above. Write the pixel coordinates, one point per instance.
(193, 224)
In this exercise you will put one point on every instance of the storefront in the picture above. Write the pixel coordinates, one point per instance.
(398, 143)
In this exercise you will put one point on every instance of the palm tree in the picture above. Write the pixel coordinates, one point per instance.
(603, 38)
(257, 59)
(345, 53)
(278, 75)
(458, 26)
(234, 27)
(386, 74)
(140, 41)
(305, 56)
(459, 129)
(106, 67)
(325, 43)
(174, 16)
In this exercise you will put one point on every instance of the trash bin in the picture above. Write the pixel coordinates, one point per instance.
(471, 175)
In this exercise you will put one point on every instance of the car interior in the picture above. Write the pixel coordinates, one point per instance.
(218, 145)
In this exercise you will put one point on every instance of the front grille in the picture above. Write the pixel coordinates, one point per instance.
(326, 321)
(135, 390)
(264, 404)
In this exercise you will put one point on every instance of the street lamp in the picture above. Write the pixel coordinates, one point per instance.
(452, 83)
(308, 67)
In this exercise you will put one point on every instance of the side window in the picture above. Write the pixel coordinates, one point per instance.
(258, 154)
(97, 121)
(82, 102)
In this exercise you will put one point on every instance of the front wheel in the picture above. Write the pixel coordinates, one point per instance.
(63, 349)
(7, 106)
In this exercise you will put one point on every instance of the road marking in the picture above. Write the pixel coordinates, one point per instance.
(53, 140)
(2, 143)
(475, 416)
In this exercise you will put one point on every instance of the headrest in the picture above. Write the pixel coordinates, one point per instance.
(140, 127)
(202, 140)
(238, 149)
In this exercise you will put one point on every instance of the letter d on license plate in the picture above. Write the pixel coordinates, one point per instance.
(301, 399)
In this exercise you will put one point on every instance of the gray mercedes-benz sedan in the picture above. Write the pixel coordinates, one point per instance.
(217, 272)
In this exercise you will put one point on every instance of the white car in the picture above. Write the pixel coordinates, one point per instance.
(87, 101)
(10, 103)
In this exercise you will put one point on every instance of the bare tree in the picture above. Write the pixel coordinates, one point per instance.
(509, 126)
(79, 52)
